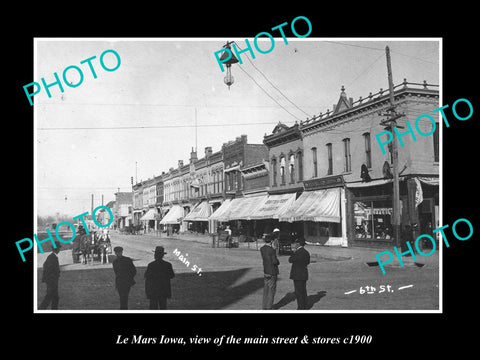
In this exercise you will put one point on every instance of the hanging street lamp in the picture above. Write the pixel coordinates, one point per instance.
(228, 79)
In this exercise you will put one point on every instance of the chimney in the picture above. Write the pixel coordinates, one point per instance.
(208, 152)
(193, 155)
(180, 163)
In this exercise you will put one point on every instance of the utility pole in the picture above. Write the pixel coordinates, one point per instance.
(392, 122)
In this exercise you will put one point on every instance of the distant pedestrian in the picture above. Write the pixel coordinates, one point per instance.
(51, 275)
(125, 271)
(157, 280)
(229, 236)
(299, 272)
(276, 240)
(270, 273)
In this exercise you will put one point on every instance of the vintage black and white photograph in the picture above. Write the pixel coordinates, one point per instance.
(274, 175)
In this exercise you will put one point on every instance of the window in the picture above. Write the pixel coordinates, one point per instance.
(314, 157)
(300, 165)
(274, 171)
(282, 169)
(291, 168)
(436, 143)
(214, 182)
(330, 159)
(347, 157)
(373, 219)
(368, 150)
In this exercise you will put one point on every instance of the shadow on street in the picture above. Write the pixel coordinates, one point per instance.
(290, 297)
(93, 289)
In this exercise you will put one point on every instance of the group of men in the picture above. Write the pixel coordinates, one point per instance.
(300, 258)
(157, 278)
(159, 273)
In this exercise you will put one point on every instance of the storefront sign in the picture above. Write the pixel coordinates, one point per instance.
(324, 183)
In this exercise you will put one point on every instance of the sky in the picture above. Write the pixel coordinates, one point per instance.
(139, 120)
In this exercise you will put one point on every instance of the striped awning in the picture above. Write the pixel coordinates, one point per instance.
(174, 216)
(318, 205)
(221, 213)
(243, 208)
(273, 206)
(200, 212)
(149, 215)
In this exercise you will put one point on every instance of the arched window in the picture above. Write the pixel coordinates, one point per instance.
(368, 150)
(282, 169)
(300, 165)
(347, 157)
(291, 168)
(330, 159)
(274, 172)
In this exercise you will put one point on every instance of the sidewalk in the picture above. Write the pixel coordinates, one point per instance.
(356, 254)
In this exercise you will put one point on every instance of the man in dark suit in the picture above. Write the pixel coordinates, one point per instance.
(270, 272)
(157, 280)
(51, 274)
(125, 271)
(299, 272)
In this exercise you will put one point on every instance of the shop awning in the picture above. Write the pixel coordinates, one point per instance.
(149, 215)
(273, 206)
(318, 205)
(221, 212)
(369, 183)
(429, 180)
(243, 208)
(174, 216)
(200, 212)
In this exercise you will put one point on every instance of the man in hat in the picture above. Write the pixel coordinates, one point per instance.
(125, 271)
(270, 272)
(157, 280)
(51, 274)
(299, 272)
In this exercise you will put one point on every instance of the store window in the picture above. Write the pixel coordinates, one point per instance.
(373, 220)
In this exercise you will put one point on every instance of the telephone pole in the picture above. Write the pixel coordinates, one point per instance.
(392, 122)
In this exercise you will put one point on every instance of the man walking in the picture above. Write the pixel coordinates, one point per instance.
(270, 272)
(299, 272)
(125, 271)
(157, 280)
(51, 274)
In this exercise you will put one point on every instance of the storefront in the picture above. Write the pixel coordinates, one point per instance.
(148, 220)
(197, 219)
(173, 219)
(320, 214)
(370, 209)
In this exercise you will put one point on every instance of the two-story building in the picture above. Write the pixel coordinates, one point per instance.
(347, 179)
(122, 210)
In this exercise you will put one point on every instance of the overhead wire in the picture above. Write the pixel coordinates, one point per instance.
(273, 85)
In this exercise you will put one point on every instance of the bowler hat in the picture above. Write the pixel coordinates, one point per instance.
(300, 241)
(159, 250)
(118, 249)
